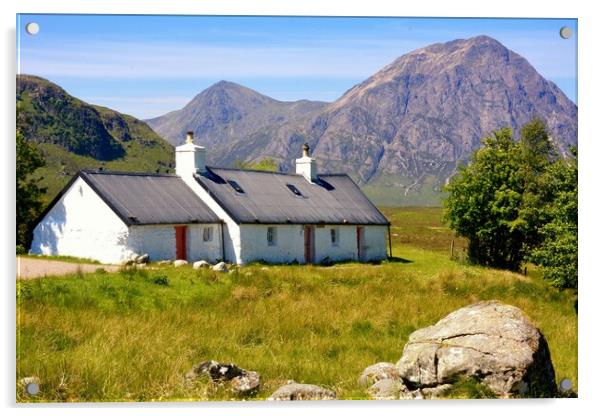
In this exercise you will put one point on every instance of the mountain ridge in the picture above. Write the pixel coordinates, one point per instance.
(408, 126)
(72, 135)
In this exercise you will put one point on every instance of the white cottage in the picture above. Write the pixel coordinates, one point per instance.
(213, 213)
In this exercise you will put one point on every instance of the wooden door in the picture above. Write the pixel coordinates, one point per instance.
(308, 244)
(360, 243)
(180, 242)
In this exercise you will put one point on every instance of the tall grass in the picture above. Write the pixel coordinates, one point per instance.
(132, 335)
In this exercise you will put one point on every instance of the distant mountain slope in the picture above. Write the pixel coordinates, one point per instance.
(401, 133)
(73, 135)
(227, 111)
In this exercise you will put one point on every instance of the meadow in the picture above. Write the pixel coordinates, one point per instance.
(133, 334)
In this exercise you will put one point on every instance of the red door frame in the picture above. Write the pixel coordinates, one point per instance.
(308, 241)
(180, 242)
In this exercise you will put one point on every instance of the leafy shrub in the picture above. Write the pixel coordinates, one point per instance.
(160, 280)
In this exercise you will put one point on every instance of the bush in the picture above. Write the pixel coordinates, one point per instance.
(160, 280)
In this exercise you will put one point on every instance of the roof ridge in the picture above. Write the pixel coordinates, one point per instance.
(274, 172)
(124, 173)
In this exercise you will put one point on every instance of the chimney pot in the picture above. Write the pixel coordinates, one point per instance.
(306, 165)
(305, 150)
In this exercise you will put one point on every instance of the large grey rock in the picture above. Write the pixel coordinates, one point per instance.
(379, 371)
(297, 391)
(200, 264)
(180, 263)
(489, 341)
(220, 267)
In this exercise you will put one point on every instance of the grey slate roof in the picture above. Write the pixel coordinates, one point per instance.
(265, 198)
(140, 198)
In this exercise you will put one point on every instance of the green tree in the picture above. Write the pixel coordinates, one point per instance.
(557, 251)
(484, 202)
(28, 190)
(537, 154)
(269, 165)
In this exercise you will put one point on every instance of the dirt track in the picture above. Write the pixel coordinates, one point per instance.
(28, 268)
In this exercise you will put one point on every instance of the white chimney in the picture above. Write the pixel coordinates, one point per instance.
(306, 165)
(190, 158)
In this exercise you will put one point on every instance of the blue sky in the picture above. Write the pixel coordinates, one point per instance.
(149, 65)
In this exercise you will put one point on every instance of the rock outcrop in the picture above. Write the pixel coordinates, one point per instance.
(491, 342)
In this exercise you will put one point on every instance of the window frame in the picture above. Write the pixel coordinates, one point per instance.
(334, 232)
(272, 236)
(207, 238)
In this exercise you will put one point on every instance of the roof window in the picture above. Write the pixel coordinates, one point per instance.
(294, 189)
(236, 187)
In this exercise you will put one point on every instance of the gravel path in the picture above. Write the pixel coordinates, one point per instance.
(28, 268)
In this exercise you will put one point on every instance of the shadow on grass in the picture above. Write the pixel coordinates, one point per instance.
(398, 260)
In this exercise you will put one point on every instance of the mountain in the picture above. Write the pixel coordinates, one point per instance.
(400, 133)
(227, 111)
(73, 135)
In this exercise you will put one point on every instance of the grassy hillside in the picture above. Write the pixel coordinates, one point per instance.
(127, 337)
(74, 135)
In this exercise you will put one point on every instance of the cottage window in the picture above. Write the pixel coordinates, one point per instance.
(271, 236)
(334, 237)
(208, 234)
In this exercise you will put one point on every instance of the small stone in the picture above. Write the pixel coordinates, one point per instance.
(144, 258)
(297, 391)
(164, 262)
(220, 267)
(379, 371)
(179, 263)
(246, 384)
(215, 370)
(200, 264)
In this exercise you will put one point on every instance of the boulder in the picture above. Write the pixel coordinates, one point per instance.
(377, 372)
(220, 267)
(200, 264)
(297, 391)
(179, 263)
(493, 343)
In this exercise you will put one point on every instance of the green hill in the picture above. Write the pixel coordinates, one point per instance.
(72, 134)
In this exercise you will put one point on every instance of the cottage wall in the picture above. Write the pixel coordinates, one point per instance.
(80, 224)
(158, 241)
(232, 240)
(290, 245)
(375, 242)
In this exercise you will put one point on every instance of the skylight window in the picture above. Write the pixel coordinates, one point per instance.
(236, 187)
(294, 189)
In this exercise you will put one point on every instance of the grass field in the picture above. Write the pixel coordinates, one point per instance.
(133, 335)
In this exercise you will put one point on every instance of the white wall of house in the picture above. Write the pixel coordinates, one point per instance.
(81, 225)
(232, 240)
(290, 243)
(375, 242)
(159, 242)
